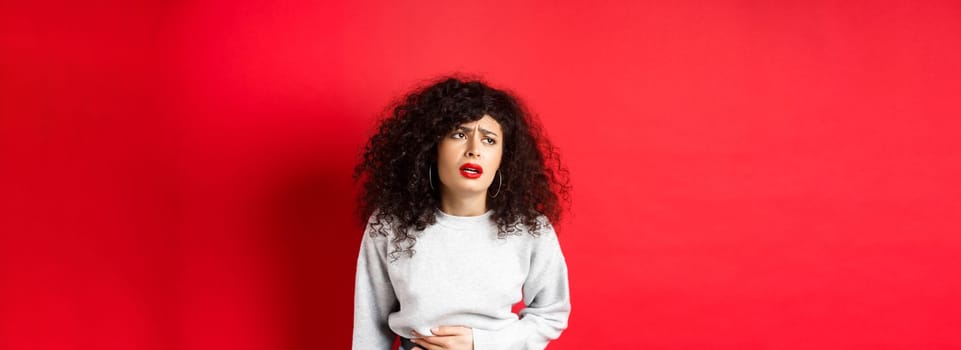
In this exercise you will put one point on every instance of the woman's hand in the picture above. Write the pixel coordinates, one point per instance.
(446, 338)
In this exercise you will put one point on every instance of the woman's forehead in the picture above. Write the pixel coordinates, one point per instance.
(486, 122)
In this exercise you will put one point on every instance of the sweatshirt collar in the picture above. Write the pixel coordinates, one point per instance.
(462, 221)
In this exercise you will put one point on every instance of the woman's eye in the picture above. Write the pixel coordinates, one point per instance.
(489, 141)
(458, 135)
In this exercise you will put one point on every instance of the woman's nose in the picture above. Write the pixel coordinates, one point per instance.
(472, 149)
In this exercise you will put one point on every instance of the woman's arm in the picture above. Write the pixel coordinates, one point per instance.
(374, 297)
(547, 300)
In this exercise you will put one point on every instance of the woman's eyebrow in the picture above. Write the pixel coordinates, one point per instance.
(485, 131)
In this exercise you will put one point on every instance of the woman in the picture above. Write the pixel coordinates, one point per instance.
(460, 186)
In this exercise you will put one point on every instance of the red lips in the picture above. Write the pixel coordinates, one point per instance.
(471, 170)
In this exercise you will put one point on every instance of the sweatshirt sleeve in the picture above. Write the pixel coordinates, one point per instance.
(546, 300)
(374, 297)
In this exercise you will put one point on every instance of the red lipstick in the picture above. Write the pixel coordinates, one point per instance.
(471, 170)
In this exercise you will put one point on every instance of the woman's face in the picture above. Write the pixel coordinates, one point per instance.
(469, 156)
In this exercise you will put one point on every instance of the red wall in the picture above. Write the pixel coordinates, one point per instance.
(176, 175)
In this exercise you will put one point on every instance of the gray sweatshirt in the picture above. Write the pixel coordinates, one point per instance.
(461, 274)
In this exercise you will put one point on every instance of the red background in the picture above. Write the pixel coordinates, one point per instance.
(176, 175)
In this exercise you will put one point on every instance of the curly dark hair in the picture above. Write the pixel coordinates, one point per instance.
(396, 191)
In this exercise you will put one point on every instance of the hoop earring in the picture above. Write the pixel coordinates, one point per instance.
(430, 176)
(499, 184)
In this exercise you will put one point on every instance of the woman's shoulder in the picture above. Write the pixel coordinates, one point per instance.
(540, 228)
(379, 225)
(544, 223)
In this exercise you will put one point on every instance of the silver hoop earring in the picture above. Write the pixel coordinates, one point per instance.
(499, 184)
(430, 176)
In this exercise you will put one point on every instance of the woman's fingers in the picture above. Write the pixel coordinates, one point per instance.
(446, 337)
(427, 343)
(449, 330)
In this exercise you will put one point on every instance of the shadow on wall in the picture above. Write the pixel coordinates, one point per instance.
(311, 229)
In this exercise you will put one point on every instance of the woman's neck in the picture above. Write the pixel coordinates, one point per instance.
(461, 205)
